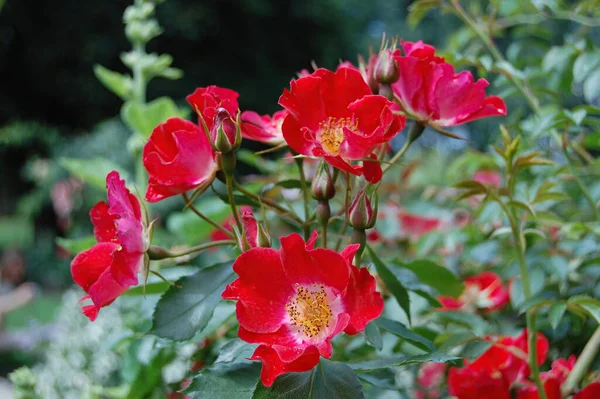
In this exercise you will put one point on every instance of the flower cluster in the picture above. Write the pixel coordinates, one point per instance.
(294, 300)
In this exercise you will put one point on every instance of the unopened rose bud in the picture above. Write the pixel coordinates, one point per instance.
(225, 135)
(368, 72)
(386, 67)
(254, 235)
(322, 186)
(362, 214)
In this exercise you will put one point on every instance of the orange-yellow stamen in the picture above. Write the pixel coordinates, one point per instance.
(309, 310)
(332, 132)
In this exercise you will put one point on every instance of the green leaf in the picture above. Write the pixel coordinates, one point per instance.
(556, 312)
(474, 322)
(373, 335)
(591, 86)
(418, 10)
(143, 118)
(234, 382)
(401, 360)
(585, 64)
(119, 84)
(592, 141)
(577, 116)
(190, 228)
(155, 285)
(326, 381)
(435, 276)
(589, 304)
(392, 282)
(400, 330)
(92, 171)
(235, 351)
(182, 312)
(538, 280)
(76, 245)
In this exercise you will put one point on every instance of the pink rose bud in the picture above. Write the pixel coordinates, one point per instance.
(362, 214)
(253, 233)
(386, 68)
(225, 135)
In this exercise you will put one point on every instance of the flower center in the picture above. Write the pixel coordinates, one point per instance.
(309, 310)
(331, 133)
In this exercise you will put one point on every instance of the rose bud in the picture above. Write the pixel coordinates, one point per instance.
(253, 235)
(226, 134)
(322, 186)
(362, 214)
(386, 67)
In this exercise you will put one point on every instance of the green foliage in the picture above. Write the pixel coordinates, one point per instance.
(187, 307)
(327, 380)
(143, 118)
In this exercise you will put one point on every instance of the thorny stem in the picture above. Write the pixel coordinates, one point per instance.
(582, 364)
(267, 202)
(346, 212)
(415, 132)
(157, 253)
(530, 316)
(305, 194)
(139, 83)
(204, 217)
(359, 237)
(229, 181)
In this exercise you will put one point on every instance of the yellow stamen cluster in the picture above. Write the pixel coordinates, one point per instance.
(332, 132)
(309, 310)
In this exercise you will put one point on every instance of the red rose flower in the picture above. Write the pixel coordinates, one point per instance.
(430, 91)
(265, 129)
(552, 381)
(592, 391)
(483, 291)
(334, 115)
(491, 375)
(110, 267)
(415, 226)
(178, 158)
(293, 301)
(429, 381)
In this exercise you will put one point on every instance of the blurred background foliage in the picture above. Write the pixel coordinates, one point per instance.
(53, 110)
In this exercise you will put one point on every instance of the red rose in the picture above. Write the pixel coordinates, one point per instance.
(429, 381)
(483, 291)
(207, 101)
(265, 128)
(552, 380)
(430, 91)
(592, 391)
(415, 226)
(110, 267)
(178, 158)
(293, 301)
(334, 115)
(495, 370)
